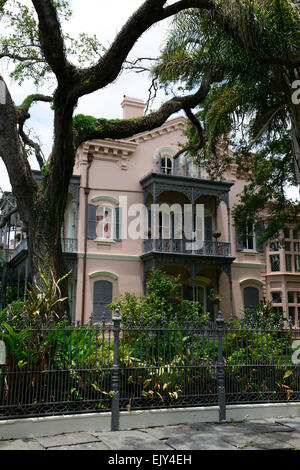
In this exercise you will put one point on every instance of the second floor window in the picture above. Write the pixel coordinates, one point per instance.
(166, 165)
(275, 262)
(105, 223)
(249, 241)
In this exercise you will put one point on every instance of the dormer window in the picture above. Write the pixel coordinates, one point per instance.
(166, 165)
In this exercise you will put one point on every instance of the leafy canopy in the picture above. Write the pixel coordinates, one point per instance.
(249, 105)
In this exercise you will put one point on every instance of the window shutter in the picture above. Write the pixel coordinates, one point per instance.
(239, 240)
(118, 224)
(102, 297)
(208, 228)
(259, 231)
(251, 298)
(92, 221)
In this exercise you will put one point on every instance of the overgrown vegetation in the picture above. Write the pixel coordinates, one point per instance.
(164, 360)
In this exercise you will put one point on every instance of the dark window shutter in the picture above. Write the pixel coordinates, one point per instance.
(208, 228)
(118, 224)
(92, 221)
(187, 293)
(209, 306)
(251, 298)
(102, 297)
(239, 240)
(259, 231)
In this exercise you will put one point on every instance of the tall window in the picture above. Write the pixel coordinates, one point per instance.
(102, 297)
(251, 299)
(249, 241)
(166, 165)
(105, 220)
(275, 263)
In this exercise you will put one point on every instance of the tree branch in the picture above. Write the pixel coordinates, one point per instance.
(11, 151)
(85, 129)
(51, 39)
(23, 112)
(199, 129)
(109, 66)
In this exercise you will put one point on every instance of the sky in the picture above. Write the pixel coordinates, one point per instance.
(103, 18)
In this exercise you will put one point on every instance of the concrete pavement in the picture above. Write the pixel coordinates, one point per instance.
(264, 434)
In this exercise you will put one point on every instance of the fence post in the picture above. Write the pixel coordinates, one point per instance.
(116, 373)
(221, 369)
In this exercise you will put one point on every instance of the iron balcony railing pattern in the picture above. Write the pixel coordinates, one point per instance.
(182, 246)
(69, 245)
(145, 363)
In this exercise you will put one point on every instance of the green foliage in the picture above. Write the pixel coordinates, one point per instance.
(40, 305)
(265, 316)
(249, 101)
(162, 301)
(19, 42)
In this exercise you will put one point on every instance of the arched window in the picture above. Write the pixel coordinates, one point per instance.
(72, 221)
(251, 298)
(166, 164)
(103, 291)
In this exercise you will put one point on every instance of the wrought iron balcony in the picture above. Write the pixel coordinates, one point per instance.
(208, 248)
(69, 245)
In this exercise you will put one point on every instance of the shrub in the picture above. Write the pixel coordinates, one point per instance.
(162, 302)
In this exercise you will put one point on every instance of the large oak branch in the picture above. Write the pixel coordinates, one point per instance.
(109, 66)
(90, 129)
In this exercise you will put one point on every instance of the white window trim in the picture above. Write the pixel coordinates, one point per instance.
(166, 156)
(112, 209)
(254, 249)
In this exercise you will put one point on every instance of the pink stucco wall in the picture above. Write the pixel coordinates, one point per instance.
(116, 171)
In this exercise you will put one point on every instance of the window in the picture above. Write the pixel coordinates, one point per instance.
(249, 242)
(291, 297)
(286, 233)
(275, 263)
(287, 246)
(276, 297)
(274, 246)
(251, 299)
(288, 263)
(296, 246)
(298, 297)
(105, 221)
(292, 315)
(166, 165)
(295, 234)
(102, 297)
(297, 263)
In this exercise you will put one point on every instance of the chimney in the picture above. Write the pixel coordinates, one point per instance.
(132, 107)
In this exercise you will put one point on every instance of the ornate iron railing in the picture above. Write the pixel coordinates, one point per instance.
(69, 245)
(182, 246)
(145, 363)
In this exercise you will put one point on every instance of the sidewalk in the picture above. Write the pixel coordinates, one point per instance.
(264, 434)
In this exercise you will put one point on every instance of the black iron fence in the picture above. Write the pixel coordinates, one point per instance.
(145, 363)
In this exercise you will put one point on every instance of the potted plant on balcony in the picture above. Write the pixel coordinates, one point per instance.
(213, 298)
(217, 234)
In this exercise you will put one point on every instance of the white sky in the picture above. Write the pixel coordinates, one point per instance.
(103, 19)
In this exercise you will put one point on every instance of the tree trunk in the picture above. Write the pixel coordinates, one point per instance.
(45, 250)
(295, 115)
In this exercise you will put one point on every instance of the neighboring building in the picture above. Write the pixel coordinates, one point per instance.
(141, 170)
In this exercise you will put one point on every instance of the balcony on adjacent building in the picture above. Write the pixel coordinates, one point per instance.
(69, 245)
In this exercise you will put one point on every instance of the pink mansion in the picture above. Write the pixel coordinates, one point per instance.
(106, 262)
